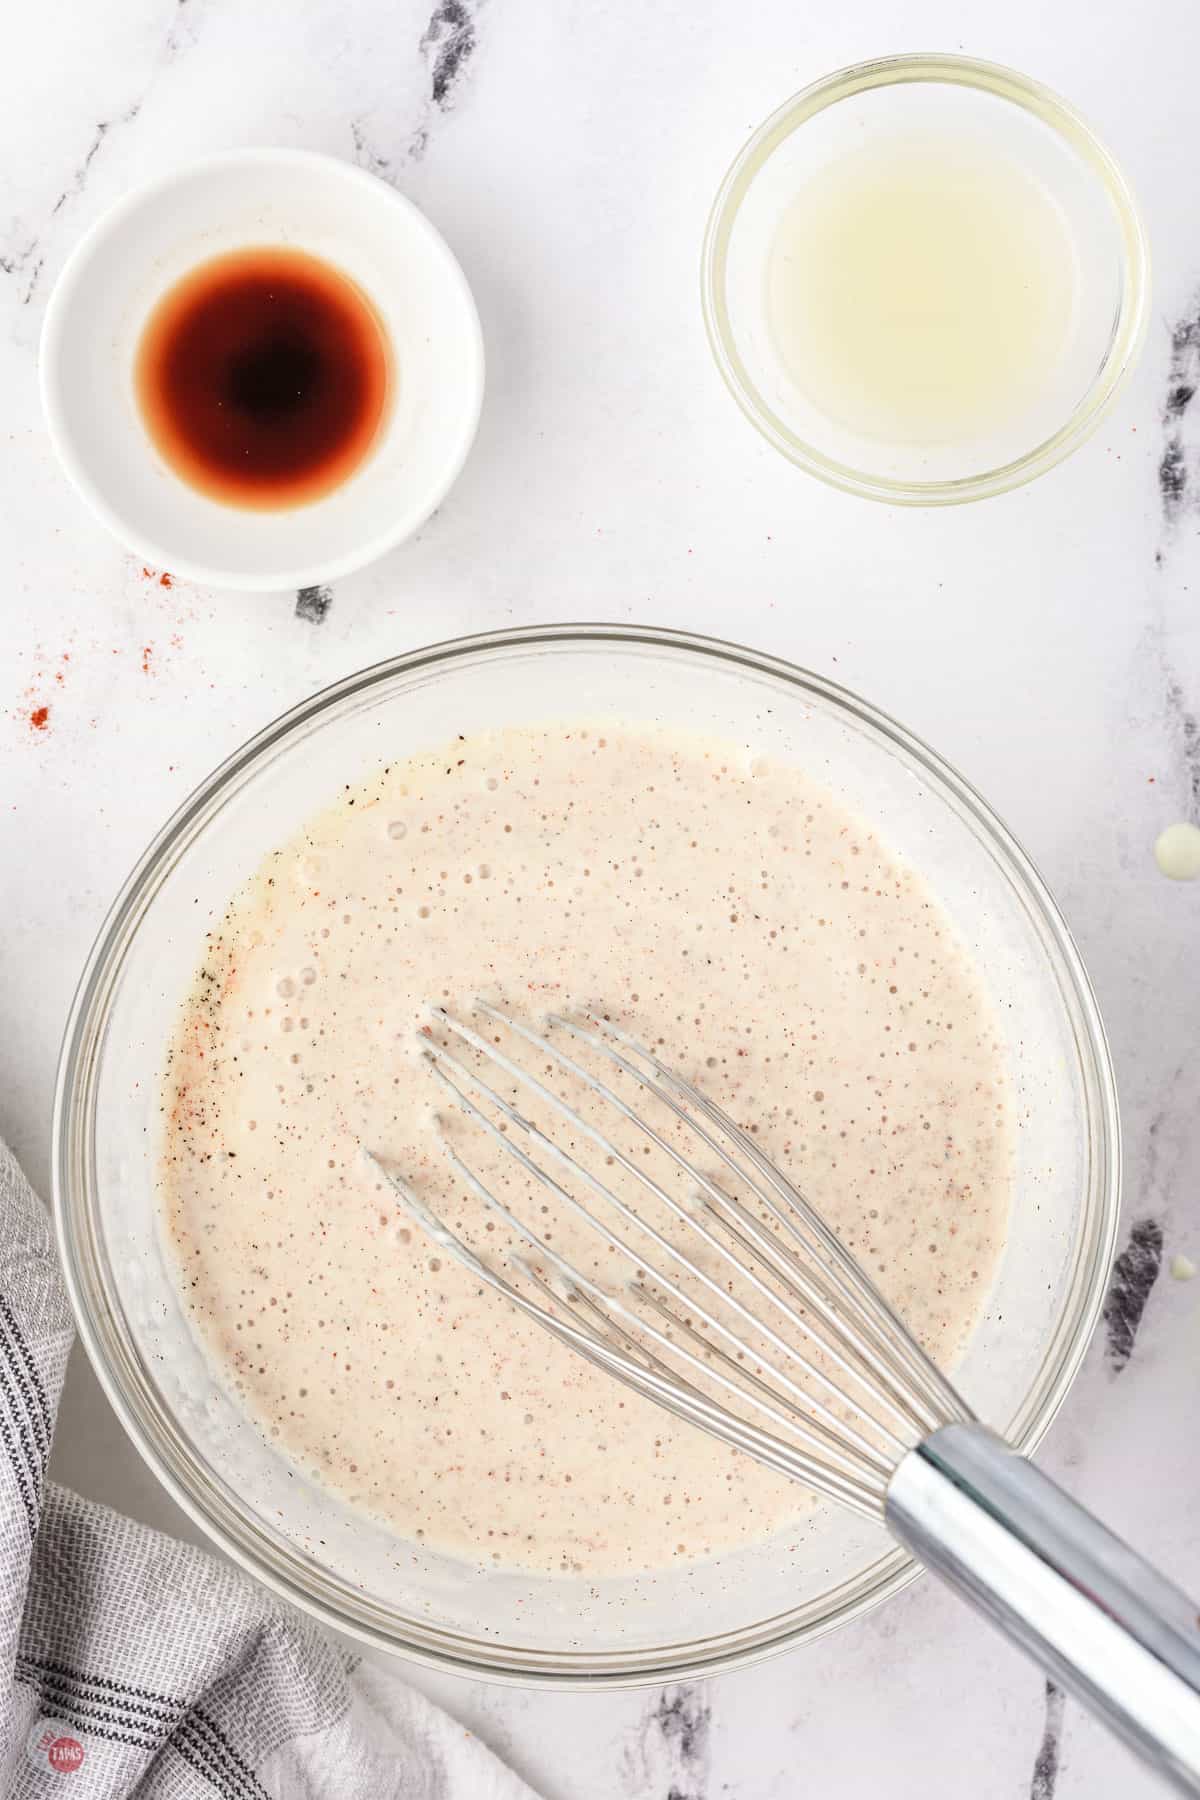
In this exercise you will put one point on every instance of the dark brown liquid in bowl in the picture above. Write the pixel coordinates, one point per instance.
(264, 377)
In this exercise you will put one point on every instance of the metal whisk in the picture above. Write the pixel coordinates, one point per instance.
(753, 1322)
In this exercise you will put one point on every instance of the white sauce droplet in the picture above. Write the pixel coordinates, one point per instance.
(1177, 852)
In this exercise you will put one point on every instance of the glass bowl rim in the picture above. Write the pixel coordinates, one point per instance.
(959, 71)
(165, 1447)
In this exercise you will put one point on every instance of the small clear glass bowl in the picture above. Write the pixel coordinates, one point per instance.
(930, 98)
(262, 1509)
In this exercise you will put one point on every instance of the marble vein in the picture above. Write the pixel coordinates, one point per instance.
(1179, 462)
(1183, 726)
(26, 258)
(79, 179)
(1048, 1761)
(1135, 1272)
(27, 265)
(313, 604)
(448, 45)
(26, 262)
(671, 1757)
(366, 154)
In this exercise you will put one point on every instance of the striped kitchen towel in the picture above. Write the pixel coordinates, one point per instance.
(135, 1665)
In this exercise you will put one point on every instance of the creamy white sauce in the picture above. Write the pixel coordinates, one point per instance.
(728, 912)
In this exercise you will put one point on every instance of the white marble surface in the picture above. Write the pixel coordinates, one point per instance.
(1047, 642)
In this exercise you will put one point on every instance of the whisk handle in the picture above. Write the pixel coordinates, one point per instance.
(1103, 1623)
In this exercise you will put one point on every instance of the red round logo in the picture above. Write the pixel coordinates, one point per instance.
(53, 1742)
(65, 1754)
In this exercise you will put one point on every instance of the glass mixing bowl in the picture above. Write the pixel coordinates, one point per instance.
(264, 1511)
(946, 103)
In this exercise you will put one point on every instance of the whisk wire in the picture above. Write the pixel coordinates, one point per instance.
(819, 1357)
(801, 1221)
(856, 1358)
(711, 1359)
(837, 1429)
(788, 1350)
(847, 1344)
(859, 1491)
(873, 1315)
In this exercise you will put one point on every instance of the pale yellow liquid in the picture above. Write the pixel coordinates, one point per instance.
(922, 293)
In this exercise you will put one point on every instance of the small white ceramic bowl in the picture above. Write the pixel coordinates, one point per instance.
(238, 200)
